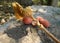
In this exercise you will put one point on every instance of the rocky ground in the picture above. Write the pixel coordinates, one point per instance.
(16, 32)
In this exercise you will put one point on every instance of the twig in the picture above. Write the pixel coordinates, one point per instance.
(39, 25)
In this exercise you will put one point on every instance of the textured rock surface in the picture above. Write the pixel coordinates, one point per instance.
(16, 32)
(52, 14)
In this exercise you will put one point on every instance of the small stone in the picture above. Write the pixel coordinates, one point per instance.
(3, 21)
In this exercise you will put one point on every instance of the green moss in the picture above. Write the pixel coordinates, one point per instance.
(36, 1)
